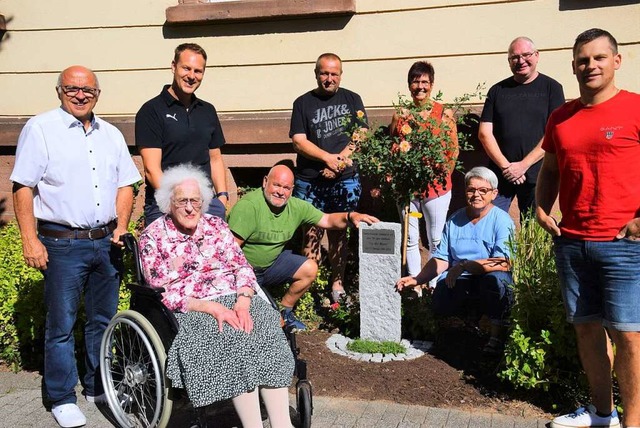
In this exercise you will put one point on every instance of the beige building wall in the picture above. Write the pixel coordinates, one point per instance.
(257, 69)
(263, 67)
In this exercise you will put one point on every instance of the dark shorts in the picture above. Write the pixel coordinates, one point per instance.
(600, 281)
(281, 271)
(330, 196)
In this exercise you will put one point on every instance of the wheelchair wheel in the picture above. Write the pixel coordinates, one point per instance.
(305, 403)
(132, 369)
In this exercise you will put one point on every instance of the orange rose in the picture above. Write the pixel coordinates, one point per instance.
(406, 129)
(405, 146)
(359, 135)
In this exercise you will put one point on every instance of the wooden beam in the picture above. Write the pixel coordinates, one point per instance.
(239, 128)
(189, 12)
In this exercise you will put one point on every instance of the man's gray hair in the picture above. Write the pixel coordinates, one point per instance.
(175, 176)
(59, 82)
(524, 38)
(483, 173)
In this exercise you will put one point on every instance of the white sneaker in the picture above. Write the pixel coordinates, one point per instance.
(102, 398)
(586, 417)
(68, 415)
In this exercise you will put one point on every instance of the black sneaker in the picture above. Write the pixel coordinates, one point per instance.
(291, 322)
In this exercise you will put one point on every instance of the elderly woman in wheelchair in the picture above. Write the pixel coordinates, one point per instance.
(229, 343)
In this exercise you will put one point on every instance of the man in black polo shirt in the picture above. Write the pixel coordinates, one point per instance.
(176, 127)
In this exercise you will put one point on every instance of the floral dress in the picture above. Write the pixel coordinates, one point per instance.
(209, 265)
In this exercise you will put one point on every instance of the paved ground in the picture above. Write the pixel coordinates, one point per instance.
(21, 406)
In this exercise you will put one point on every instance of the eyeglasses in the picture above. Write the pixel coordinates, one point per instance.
(182, 202)
(72, 91)
(421, 82)
(482, 190)
(525, 56)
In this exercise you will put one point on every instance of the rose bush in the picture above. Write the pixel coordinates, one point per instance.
(419, 157)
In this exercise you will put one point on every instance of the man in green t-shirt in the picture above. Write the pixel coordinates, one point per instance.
(264, 221)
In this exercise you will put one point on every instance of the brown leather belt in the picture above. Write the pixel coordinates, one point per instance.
(95, 233)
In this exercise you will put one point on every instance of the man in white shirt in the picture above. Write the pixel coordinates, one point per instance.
(73, 198)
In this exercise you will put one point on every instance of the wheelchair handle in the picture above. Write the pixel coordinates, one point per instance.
(131, 245)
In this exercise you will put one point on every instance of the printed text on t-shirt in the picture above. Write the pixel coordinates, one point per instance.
(330, 120)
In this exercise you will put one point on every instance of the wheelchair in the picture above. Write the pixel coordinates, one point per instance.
(133, 355)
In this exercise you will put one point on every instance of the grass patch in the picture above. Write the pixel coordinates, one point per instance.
(371, 347)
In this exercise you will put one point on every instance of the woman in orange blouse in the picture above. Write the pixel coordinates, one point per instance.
(434, 200)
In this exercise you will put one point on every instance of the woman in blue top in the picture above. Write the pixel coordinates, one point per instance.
(472, 259)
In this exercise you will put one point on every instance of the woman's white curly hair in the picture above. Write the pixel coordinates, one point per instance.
(177, 175)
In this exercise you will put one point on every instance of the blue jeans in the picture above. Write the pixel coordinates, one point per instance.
(492, 292)
(600, 281)
(76, 266)
(152, 212)
(330, 196)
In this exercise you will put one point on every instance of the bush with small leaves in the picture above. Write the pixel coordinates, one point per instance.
(541, 350)
(21, 304)
(22, 318)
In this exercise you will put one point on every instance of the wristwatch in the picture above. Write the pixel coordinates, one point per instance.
(222, 194)
(349, 221)
(246, 294)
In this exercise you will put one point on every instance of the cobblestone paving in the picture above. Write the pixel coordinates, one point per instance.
(21, 406)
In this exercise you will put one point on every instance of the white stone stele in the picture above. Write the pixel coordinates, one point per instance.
(380, 303)
(337, 344)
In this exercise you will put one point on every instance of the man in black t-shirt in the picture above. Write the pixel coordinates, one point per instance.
(325, 176)
(176, 127)
(512, 125)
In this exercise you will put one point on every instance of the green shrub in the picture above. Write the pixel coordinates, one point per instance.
(345, 316)
(541, 351)
(22, 317)
(305, 309)
(310, 301)
(128, 277)
(372, 347)
(418, 320)
(21, 308)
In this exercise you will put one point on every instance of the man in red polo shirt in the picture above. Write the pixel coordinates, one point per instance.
(592, 160)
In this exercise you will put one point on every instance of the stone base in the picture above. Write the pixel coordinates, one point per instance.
(337, 344)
